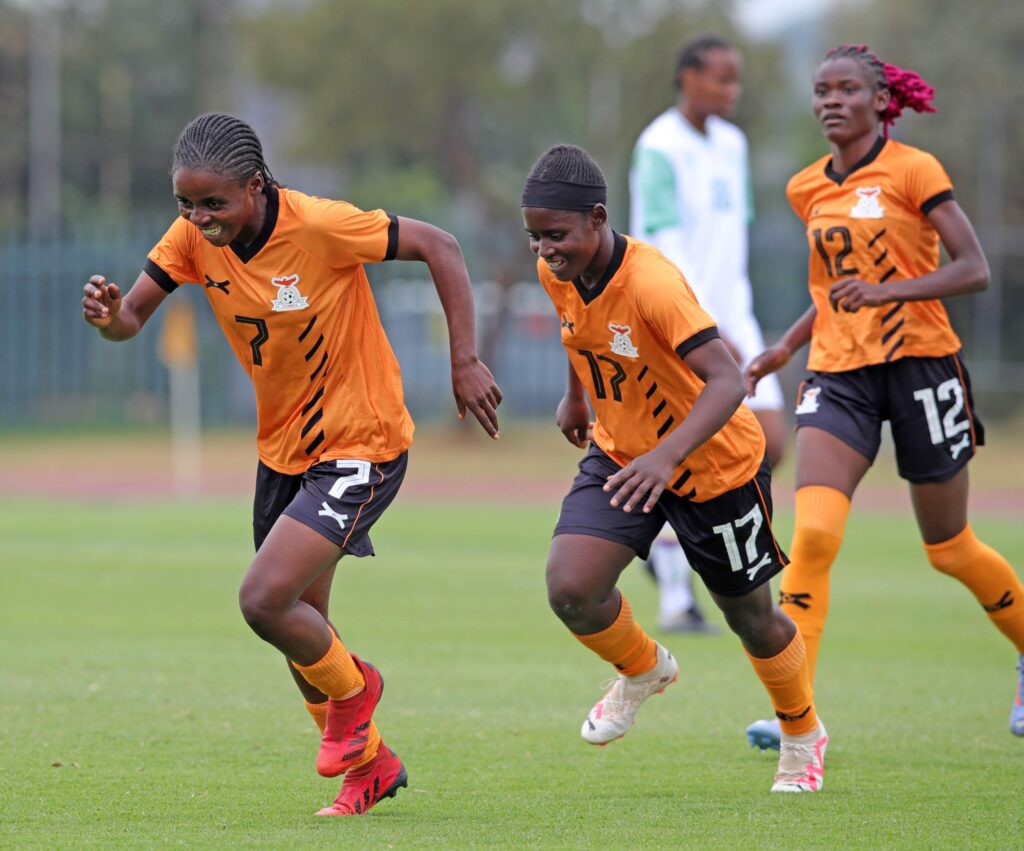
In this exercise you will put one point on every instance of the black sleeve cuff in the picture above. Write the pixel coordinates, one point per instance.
(698, 339)
(935, 200)
(392, 251)
(164, 281)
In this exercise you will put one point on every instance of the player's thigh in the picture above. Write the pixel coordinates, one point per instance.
(729, 540)
(594, 541)
(934, 425)
(941, 507)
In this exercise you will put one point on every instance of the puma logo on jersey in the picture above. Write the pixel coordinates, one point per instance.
(570, 325)
(326, 511)
(288, 295)
(867, 206)
(621, 344)
(809, 403)
(217, 285)
(957, 448)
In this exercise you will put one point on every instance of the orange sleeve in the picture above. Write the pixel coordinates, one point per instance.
(797, 198)
(346, 236)
(670, 307)
(170, 262)
(927, 184)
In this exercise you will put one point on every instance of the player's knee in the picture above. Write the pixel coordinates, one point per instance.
(813, 549)
(568, 599)
(260, 608)
(953, 556)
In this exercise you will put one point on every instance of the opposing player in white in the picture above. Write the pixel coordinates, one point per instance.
(690, 197)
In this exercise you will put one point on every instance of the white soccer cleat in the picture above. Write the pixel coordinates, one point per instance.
(802, 762)
(613, 714)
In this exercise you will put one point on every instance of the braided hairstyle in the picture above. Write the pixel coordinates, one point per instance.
(568, 164)
(906, 87)
(221, 144)
(694, 53)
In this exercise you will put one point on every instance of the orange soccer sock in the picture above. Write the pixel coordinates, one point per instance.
(336, 674)
(820, 522)
(631, 650)
(788, 682)
(318, 712)
(989, 577)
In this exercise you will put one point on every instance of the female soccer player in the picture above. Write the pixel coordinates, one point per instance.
(882, 347)
(283, 273)
(671, 443)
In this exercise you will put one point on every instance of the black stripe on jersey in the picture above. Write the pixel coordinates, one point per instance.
(309, 328)
(894, 311)
(892, 351)
(316, 345)
(316, 371)
(935, 200)
(245, 253)
(665, 426)
(653, 389)
(876, 237)
(689, 494)
(313, 420)
(312, 402)
(392, 249)
(678, 483)
(698, 339)
(618, 253)
(888, 334)
(868, 158)
(660, 408)
(316, 442)
(887, 275)
(643, 372)
(163, 280)
(881, 259)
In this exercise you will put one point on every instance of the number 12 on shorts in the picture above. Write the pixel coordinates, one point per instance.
(948, 427)
(753, 518)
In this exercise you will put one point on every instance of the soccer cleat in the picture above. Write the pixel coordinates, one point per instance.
(348, 724)
(802, 762)
(1017, 712)
(362, 787)
(765, 734)
(613, 714)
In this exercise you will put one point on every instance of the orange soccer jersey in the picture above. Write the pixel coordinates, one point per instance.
(872, 224)
(296, 307)
(625, 339)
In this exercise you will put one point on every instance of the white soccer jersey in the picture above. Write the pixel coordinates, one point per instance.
(690, 197)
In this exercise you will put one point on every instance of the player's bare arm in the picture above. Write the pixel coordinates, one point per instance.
(573, 413)
(472, 383)
(776, 357)
(648, 475)
(116, 317)
(967, 271)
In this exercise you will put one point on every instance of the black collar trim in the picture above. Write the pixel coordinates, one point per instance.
(618, 253)
(245, 253)
(868, 158)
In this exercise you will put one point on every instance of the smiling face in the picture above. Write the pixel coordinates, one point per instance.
(224, 209)
(568, 241)
(846, 102)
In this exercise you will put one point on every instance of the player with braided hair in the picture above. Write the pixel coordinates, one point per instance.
(882, 348)
(283, 273)
(671, 443)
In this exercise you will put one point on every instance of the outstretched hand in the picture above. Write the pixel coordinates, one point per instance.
(101, 302)
(770, 360)
(475, 390)
(851, 294)
(646, 475)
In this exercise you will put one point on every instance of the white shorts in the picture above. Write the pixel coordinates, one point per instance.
(745, 334)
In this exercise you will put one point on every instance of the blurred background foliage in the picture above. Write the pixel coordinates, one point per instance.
(437, 110)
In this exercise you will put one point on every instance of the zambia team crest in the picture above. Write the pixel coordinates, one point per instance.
(809, 403)
(867, 206)
(621, 344)
(288, 295)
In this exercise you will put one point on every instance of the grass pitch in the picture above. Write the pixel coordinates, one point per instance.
(137, 710)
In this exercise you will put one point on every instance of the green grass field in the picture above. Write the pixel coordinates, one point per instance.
(137, 710)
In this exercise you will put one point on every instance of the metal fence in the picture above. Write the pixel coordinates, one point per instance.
(55, 371)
